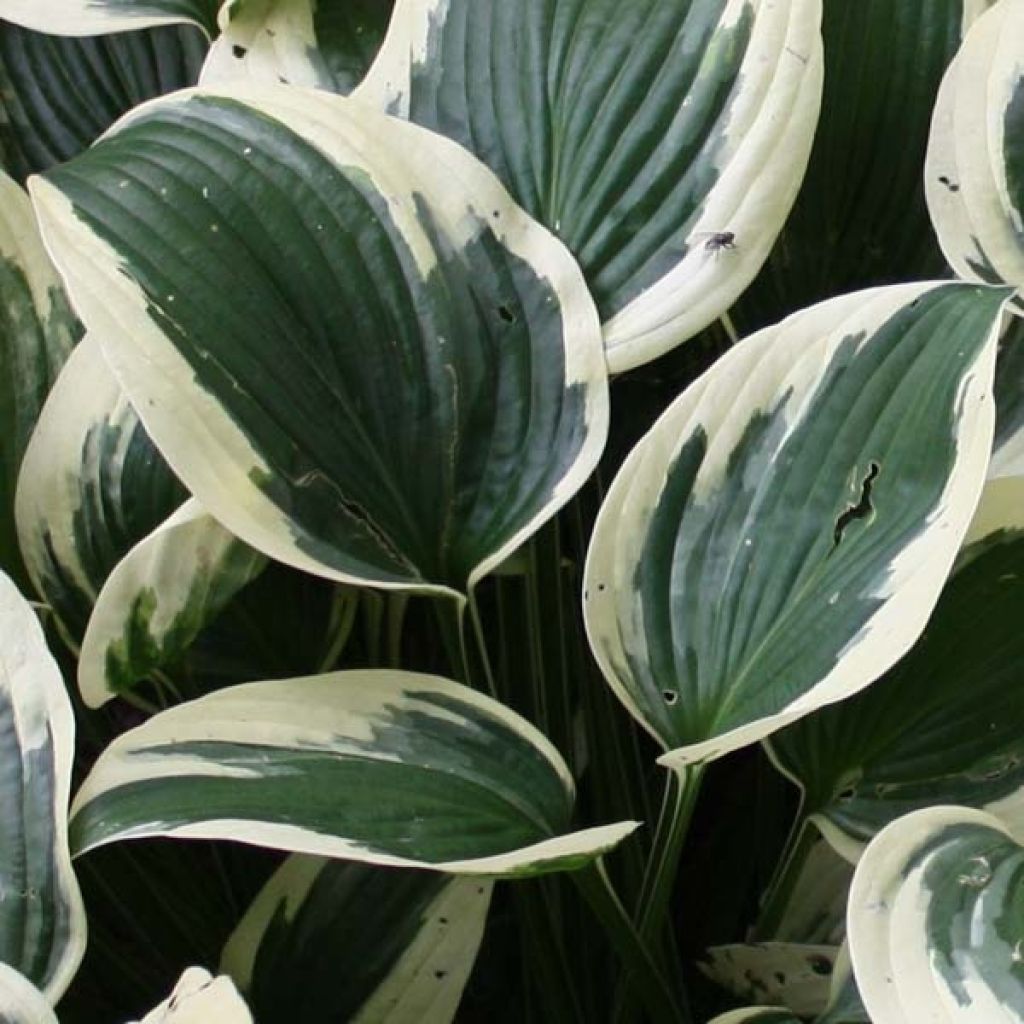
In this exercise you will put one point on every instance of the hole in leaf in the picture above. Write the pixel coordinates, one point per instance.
(820, 965)
(861, 510)
(670, 696)
(238, 52)
(951, 185)
(506, 314)
(440, 974)
(846, 795)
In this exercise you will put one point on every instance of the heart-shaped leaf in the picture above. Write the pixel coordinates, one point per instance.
(945, 725)
(99, 17)
(58, 94)
(383, 767)
(936, 924)
(92, 485)
(662, 140)
(298, 42)
(974, 173)
(42, 921)
(158, 599)
(37, 332)
(334, 940)
(779, 537)
(354, 349)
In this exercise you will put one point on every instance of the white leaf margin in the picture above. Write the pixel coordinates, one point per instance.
(886, 927)
(770, 130)
(199, 998)
(972, 211)
(792, 354)
(315, 712)
(168, 562)
(203, 446)
(43, 717)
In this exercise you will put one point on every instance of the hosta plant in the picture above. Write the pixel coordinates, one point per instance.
(512, 511)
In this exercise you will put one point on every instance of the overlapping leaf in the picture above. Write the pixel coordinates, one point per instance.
(357, 353)
(332, 940)
(860, 219)
(946, 725)
(37, 332)
(650, 135)
(327, 45)
(974, 173)
(389, 768)
(58, 94)
(99, 17)
(779, 537)
(42, 921)
(158, 599)
(92, 486)
(936, 921)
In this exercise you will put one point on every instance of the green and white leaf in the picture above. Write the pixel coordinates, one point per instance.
(99, 17)
(869, 224)
(383, 767)
(779, 537)
(159, 598)
(446, 390)
(816, 911)
(844, 1005)
(328, 44)
(974, 172)
(936, 928)
(20, 1001)
(59, 93)
(636, 131)
(945, 725)
(199, 998)
(335, 940)
(37, 332)
(92, 485)
(42, 920)
(789, 974)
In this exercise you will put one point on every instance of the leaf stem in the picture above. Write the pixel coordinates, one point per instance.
(649, 984)
(780, 890)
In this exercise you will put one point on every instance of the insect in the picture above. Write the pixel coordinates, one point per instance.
(719, 240)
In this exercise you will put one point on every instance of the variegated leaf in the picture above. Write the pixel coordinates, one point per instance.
(662, 140)
(945, 725)
(37, 332)
(333, 940)
(91, 486)
(384, 767)
(199, 998)
(158, 599)
(58, 94)
(936, 921)
(816, 910)
(445, 389)
(99, 17)
(327, 45)
(779, 537)
(20, 1001)
(868, 225)
(42, 921)
(974, 172)
(788, 974)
